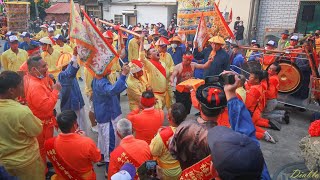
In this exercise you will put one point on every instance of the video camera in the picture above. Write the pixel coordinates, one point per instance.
(221, 79)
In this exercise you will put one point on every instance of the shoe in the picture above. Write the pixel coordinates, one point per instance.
(274, 125)
(80, 79)
(101, 163)
(286, 118)
(269, 138)
(94, 129)
(197, 114)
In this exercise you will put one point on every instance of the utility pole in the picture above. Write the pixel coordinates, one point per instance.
(36, 6)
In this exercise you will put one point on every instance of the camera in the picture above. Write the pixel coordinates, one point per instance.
(221, 79)
(148, 170)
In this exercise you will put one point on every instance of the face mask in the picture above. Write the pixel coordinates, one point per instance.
(174, 46)
(41, 76)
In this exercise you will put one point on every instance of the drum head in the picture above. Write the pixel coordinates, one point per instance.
(290, 77)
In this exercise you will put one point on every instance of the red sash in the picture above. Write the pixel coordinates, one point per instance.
(165, 135)
(123, 157)
(201, 170)
(159, 66)
(60, 165)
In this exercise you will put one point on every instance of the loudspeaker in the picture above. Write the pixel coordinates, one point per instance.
(308, 12)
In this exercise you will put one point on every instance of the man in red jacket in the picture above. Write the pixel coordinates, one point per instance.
(147, 121)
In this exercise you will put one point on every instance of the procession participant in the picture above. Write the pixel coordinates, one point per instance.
(255, 55)
(236, 59)
(65, 31)
(146, 120)
(115, 69)
(169, 167)
(126, 172)
(136, 84)
(154, 37)
(269, 57)
(255, 100)
(317, 41)
(304, 66)
(50, 56)
(177, 49)
(212, 103)
(283, 41)
(156, 74)
(18, 131)
(133, 46)
(27, 43)
(43, 33)
(14, 57)
(204, 54)
(60, 45)
(235, 155)
(70, 95)
(220, 57)
(60, 150)
(272, 94)
(6, 45)
(294, 40)
(58, 29)
(41, 96)
(130, 149)
(107, 110)
(184, 71)
(88, 91)
(249, 51)
(51, 35)
(166, 58)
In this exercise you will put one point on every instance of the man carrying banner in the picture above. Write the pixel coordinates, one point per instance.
(107, 110)
(71, 153)
(130, 150)
(156, 73)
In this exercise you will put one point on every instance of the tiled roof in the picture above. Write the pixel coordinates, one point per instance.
(61, 8)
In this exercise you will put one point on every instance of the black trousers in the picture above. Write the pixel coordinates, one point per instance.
(185, 99)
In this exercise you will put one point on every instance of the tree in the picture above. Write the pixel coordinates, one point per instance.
(42, 6)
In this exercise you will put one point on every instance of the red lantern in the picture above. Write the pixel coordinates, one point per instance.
(46, 1)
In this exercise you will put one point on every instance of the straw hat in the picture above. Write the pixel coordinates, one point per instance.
(46, 40)
(217, 40)
(162, 41)
(175, 38)
(64, 59)
(135, 66)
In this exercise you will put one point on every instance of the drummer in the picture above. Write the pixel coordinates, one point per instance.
(269, 57)
(294, 48)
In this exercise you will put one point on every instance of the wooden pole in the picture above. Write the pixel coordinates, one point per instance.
(121, 28)
(290, 51)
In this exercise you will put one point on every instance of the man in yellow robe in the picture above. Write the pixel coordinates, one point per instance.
(43, 33)
(166, 58)
(133, 47)
(51, 56)
(60, 45)
(136, 84)
(14, 57)
(156, 73)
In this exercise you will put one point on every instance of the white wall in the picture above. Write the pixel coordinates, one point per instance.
(239, 8)
(145, 14)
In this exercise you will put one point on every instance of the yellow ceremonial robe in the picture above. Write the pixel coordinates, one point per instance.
(40, 35)
(52, 59)
(64, 49)
(133, 49)
(88, 81)
(167, 59)
(135, 89)
(155, 80)
(11, 61)
(115, 69)
(57, 31)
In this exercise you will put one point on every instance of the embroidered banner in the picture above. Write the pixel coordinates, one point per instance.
(93, 50)
(189, 14)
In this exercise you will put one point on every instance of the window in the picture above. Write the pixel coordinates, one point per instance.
(94, 10)
(308, 16)
(118, 18)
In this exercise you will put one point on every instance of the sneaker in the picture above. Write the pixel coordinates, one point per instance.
(286, 118)
(274, 125)
(94, 129)
(197, 114)
(101, 163)
(269, 138)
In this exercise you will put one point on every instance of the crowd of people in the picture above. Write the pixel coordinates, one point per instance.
(235, 109)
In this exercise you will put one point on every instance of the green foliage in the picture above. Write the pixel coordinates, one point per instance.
(42, 6)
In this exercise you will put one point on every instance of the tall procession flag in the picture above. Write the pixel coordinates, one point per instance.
(95, 53)
(201, 36)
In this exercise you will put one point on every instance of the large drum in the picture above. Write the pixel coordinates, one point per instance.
(290, 77)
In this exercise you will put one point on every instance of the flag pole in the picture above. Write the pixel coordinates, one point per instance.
(121, 28)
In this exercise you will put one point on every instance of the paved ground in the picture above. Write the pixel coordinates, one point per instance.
(276, 155)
